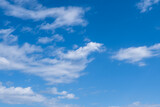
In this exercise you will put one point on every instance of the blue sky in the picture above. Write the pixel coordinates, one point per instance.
(79, 53)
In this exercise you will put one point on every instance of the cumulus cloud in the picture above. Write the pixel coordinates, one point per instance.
(62, 67)
(63, 16)
(145, 5)
(137, 54)
(19, 95)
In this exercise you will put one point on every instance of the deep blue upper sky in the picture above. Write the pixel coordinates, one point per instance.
(79, 53)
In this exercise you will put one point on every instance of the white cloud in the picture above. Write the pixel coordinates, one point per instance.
(30, 4)
(83, 52)
(3, 61)
(27, 29)
(67, 96)
(63, 16)
(137, 54)
(61, 95)
(145, 5)
(7, 37)
(19, 95)
(6, 31)
(58, 38)
(62, 67)
(45, 40)
(68, 17)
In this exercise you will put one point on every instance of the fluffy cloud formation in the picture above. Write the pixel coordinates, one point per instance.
(56, 66)
(19, 95)
(145, 5)
(63, 16)
(137, 54)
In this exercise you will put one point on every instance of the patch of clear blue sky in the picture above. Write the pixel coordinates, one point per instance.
(116, 24)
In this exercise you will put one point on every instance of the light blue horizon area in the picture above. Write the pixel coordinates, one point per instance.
(105, 81)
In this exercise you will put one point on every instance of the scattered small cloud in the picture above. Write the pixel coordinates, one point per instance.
(26, 29)
(75, 46)
(87, 40)
(137, 54)
(61, 95)
(146, 5)
(70, 30)
(45, 40)
(56, 38)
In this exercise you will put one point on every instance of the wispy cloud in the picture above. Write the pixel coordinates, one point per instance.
(26, 29)
(63, 16)
(62, 67)
(62, 94)
(82, 52)
(146, 5)
(56, 38)
(7, 37)
(137, 54)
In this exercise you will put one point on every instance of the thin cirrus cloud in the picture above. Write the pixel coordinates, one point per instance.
(146, 5)
(62, 67)
(63, 16)
(137, 54)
